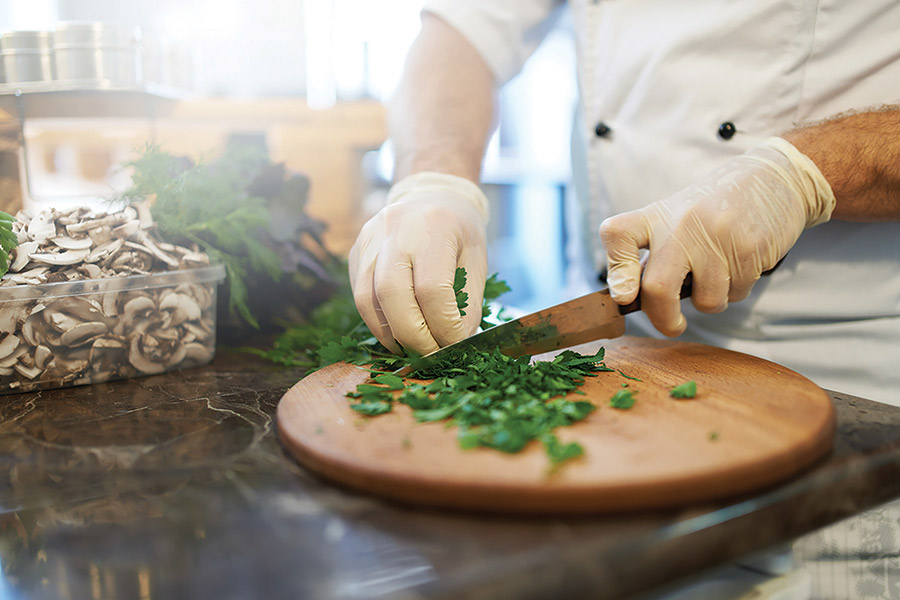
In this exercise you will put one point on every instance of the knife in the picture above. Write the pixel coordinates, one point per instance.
(584, 319)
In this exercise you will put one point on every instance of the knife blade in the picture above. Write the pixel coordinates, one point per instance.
(584, 319)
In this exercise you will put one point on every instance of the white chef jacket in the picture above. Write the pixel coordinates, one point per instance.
(662, 86)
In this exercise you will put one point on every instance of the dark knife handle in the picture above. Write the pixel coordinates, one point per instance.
(686, 288)
(635, 305)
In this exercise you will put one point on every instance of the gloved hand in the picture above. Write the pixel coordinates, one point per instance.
(726, 230)
(404, 260)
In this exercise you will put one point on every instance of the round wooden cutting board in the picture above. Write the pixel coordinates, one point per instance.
(752, 423)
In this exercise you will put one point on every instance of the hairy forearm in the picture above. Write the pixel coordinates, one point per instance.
(442, 115)
(859, 155)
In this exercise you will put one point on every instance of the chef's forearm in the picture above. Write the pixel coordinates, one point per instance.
(859, 155)
(442, 115)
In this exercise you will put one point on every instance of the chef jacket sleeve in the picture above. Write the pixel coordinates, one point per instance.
(505, 32)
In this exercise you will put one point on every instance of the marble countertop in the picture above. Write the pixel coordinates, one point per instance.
(176, 486)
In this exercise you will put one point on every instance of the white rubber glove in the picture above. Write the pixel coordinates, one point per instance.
(404, 260)
(726, 229)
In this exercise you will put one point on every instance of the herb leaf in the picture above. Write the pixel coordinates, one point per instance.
(8, 241)
(622, 399)
(459, 282)
(688, 389)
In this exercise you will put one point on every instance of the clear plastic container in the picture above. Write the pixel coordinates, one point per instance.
(88, 331)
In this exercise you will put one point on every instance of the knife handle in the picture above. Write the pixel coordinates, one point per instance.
(635, 305)
(686, 287)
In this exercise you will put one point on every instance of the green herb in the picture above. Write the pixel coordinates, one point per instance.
(713, 436)
(623, 399)
(462, 298)
(558, 453)
(335, 332)
(628, 376)
(8, 240)
(247, 214)
(493, 289)
(688, 389)
(495, 401)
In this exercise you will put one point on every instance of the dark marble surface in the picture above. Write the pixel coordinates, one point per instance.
(175, 486)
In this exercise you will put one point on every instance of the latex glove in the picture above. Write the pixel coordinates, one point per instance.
(403, 263)
(726, 229)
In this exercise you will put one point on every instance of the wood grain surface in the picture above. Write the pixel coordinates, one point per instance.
(752, 423)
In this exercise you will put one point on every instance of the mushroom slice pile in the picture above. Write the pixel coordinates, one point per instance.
(66, 245)
(99, 332)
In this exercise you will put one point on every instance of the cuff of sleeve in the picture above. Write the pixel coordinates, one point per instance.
(433, 181)
(814, 186)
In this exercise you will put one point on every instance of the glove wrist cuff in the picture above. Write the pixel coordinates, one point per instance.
(435, 181)
(816, 190)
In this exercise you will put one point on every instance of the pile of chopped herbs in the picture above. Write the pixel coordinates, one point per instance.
(494, 401)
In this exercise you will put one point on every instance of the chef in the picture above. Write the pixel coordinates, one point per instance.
(716, 138)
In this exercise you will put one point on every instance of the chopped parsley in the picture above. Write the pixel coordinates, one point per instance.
(494, 401)
(622, 399)
(688, 389)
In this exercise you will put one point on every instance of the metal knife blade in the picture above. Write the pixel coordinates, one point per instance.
(584, 319)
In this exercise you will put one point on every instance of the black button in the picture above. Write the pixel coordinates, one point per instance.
(602, 275)
(602, 129)
(727, 130)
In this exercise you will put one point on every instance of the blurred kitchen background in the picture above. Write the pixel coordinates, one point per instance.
(305, 80)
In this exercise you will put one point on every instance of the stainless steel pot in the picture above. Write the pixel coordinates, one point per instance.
(27, 56)
(105, 53)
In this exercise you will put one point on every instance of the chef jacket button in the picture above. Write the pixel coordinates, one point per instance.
(601, 129)
(727, 130)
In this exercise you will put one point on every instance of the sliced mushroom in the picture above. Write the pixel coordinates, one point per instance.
(8, 344)
(42, 356)
(27, 372)
(41, 226)
(83, 333)
(91, 271)
(104, 251)
(13, 358)
(136, 306)
(100, 235)
(67, 257)
(176, 355)
(183, 308)
(21, 255)
(127, 229)
(107, 354)
(110, 304)
(109, 220)
(139, 357)
(70, 243)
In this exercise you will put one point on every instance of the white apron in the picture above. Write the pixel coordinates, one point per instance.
(671, 89)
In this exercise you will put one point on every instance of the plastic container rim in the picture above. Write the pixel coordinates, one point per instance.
(212, 273)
